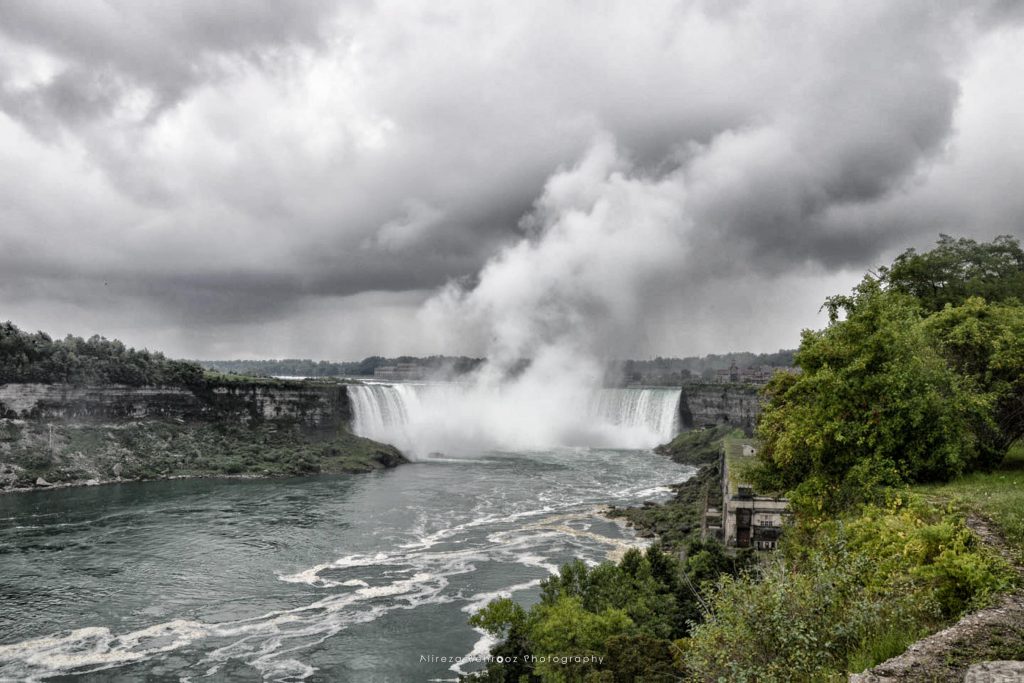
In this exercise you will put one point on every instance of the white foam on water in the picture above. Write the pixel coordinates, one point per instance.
(259, 641)
(97, 648)
(481, 600)
(538, 562)
(552, 522)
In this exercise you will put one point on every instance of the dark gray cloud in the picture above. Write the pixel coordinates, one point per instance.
(201, 176)
(110, 47)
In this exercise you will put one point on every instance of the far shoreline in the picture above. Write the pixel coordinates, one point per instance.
(247, 476)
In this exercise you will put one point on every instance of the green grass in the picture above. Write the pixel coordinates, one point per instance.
(698, 446)
(996, 495)
(737, 464)
(881, 647)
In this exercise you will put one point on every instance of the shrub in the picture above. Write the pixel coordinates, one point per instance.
(842, 593)
(782, 625)
(233, 467)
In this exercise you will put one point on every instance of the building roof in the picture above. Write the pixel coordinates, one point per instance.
(736, 462)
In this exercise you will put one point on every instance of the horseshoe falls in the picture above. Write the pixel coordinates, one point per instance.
(424, 418)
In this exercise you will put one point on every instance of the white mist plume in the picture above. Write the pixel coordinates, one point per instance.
(563, 298)
(611, 247)
(599, 236)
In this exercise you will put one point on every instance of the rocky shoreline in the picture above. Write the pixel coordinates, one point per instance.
(677, 521)
(80, 483)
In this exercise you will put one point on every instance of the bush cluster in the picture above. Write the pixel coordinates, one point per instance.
(621, 620)
(854, 592)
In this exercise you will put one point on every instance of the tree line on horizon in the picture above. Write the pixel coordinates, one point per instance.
(38, 357)
(659, 370)
(305, 367)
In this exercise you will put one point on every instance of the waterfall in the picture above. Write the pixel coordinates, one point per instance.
(656, 410)
(382, 411)
(424, 417)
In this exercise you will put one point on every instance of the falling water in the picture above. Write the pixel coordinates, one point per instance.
(653, 409)
(381, 409)
(442, 416)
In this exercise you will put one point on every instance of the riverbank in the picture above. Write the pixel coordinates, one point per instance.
(677, 521)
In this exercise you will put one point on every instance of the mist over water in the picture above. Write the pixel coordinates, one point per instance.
(456, 418)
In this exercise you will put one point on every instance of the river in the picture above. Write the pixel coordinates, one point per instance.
(366, 578)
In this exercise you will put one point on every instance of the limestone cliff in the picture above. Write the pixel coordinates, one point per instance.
(708, 405)
(54, 433)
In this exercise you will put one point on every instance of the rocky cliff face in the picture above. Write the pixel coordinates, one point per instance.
(313, 405)
(706, 405)
(64, 433)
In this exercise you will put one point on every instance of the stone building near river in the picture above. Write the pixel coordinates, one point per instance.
(745, 518)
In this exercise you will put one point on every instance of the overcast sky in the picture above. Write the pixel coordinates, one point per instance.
(250, 178)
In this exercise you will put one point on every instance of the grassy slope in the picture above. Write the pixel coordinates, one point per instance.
(996, 633)
(998, 496)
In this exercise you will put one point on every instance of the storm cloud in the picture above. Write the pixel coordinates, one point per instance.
(338, 179)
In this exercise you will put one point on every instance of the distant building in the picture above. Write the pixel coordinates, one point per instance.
(399, 372)
(757, 374)
(745, 519)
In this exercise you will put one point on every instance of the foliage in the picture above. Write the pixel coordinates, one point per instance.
(26, 357)
(876, 404)
(781, 625)
(995, 495)
(984, 342)
(622, 618)
(916, 378)
(958, 269)
(563, 630)
(914, 545)
(844, 596)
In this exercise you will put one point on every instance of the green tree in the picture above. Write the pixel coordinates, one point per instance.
(26, 357)
(876, 404)
(985, 342)
(957, 269)
(564, 631)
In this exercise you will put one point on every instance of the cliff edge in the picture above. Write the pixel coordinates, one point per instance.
(63, 434)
